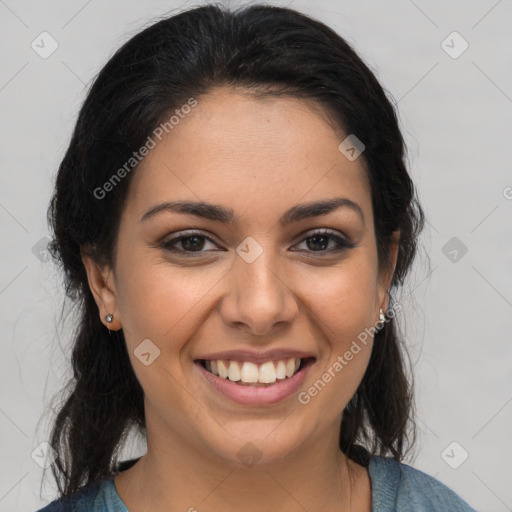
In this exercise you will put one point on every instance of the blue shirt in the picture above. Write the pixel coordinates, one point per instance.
(396, 487)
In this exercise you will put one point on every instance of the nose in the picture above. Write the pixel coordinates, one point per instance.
(258, 299)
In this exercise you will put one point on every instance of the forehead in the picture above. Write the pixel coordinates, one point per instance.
(238, 149)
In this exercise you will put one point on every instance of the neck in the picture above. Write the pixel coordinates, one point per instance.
(175, 475)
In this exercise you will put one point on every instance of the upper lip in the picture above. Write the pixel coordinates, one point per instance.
(256, 356)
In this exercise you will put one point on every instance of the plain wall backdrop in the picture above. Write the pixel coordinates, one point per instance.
(448, 67)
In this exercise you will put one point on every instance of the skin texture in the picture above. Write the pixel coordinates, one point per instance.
(258, 156)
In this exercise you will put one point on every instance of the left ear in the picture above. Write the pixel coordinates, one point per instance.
(387, 270)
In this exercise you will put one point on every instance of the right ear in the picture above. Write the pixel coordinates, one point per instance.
(102, 285)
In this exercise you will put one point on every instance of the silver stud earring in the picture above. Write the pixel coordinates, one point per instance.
(382, 318)
(109, 318)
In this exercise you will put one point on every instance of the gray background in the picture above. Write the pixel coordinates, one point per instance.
(456, 116)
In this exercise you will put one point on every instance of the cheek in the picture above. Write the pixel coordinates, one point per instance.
(158, 304)
(344, 303)
(161, 301)
(350, 342)
(344, 297)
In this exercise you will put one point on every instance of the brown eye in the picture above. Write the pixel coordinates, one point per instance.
(192, 243)
(319, 242)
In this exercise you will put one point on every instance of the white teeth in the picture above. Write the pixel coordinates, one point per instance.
(222, 368)
(234, 371)
(267, 372)
(248, 372)
(290, 367)
(281, 370)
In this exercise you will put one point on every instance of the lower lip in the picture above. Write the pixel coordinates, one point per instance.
(248, 395)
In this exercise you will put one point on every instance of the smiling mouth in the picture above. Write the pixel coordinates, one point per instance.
(246, 373)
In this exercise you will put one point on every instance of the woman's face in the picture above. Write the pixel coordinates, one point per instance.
(259, 287)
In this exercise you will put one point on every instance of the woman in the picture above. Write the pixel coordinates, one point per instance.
(234, 215)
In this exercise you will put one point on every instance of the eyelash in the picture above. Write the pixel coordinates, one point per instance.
(341, 242)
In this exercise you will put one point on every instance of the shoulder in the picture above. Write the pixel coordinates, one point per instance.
(399, 487)
(98, 496)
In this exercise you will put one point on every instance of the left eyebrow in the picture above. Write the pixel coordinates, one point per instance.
(227, 216)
